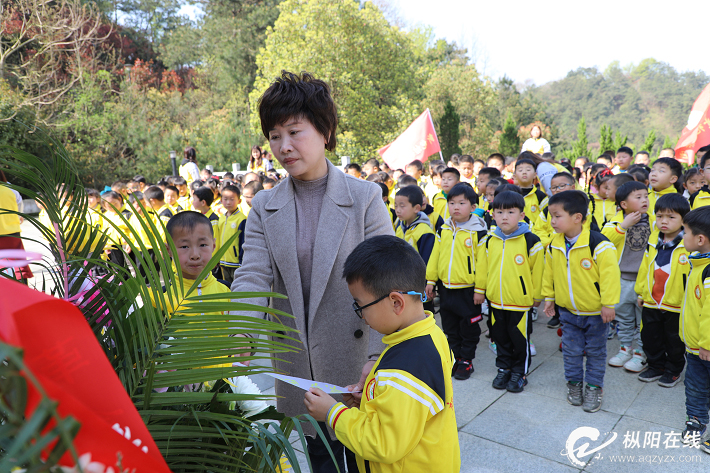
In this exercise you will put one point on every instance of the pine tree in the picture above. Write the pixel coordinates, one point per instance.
(649, 142)
(606, 141)
(668, 142)
(509, 140)
(581, 146)
(619, 141)
(449, 130)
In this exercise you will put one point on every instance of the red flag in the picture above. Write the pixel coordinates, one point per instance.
(696, 133)
(418, 142)
(65, 357)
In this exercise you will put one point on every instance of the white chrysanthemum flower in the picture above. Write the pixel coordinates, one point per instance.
(244, 385)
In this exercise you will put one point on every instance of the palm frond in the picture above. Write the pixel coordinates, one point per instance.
(161, 337)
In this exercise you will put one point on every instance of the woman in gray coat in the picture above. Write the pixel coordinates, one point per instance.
(297, 238)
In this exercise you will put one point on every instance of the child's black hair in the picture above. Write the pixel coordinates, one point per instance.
(406, 180)
(92, 193)
(623, 192)
(495, 182)
(139, 179)
(621, 179)
(172, 188)
(639, 174)
(452, 171)
(354, 166)
(491, 172)
(154, 192)
(134, 197)
(204, 193)
(520, 162)
(413, 194)
(228, 175)
(465, 190)
(254, 186)
(437, 170)
(113, 195)
(385, 189)
(570, 178)
(603, 175)
(179, 181)
(698, 221)
(417, 164)
(691, 173)
(384, 264)
(507, 187)
(639, 166)
(625, 149)
(466, 159)
(572, 202)
(187, 221)
(673, 203)
(196, 185)
(374, 177)
(508, 200)
(704, 159)
(233, 189)
(497, 156)
(676, 169)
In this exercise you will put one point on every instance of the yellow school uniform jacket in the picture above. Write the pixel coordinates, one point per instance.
(694, 326)
(419, 234)
(700, 198)
(112, 223)
(244, 208)
(185, 202)
(226, 228)
(9, 223)
(213, 218)
(604, 210)
(543, 228)
(164, 214)
(406, 420)
(453, 259)
(653, 196)
(534, 203)
(509, 271)
(96, 218)
(175, 209)
(141, 234)
(674, 287)
(218, 208)
(441, 205)
(431, 190)
(393, 194)
(585, 279)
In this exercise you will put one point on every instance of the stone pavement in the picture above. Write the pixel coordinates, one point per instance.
(526, 432)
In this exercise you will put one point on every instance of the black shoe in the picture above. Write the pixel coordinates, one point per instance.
(554, 322)
(456, 366)
(464, 370)
(502, 379)
(668, 380)
(516, 383)
(650, 375)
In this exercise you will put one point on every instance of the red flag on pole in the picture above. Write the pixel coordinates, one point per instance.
(696, 133)
(418, 142)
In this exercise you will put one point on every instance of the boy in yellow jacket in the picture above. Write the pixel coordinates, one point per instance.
(576, 263)
(660, 285)
(412, 224)
(695, 327)
(233, 221)
(405, 420)
(508, 274)
(453, 265)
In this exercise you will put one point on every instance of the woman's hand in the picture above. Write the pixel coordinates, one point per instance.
(318, 404)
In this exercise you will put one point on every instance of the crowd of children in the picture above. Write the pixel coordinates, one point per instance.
(503, 244)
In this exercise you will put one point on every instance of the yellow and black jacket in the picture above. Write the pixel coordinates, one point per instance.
(509, 269)
(226, 227)
(441, 205)
(675, 260)
(419, 234)
(185, 202)
(543, 228)
(453, 259)
(694, 326)
(604, 210)
(700, 198)
(164, 214)
(436, 221)
(653, 196)
(406, 421)
(535, 200)
(574, 280)
(213, 218)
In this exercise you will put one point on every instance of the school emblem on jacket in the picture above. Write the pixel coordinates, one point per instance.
(519, 259)
(533, 208)
(683, 259)
(586, 263)
(370, 390)
(697, 291)
(234, 225)
(468, 243)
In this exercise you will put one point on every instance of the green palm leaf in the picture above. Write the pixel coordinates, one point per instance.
(159, 336)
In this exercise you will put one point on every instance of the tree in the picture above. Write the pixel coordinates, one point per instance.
(606, 141)
(368, 64)
(649, 142)
(449, 130)
(509, 141)
(668, 142)
(580, 147)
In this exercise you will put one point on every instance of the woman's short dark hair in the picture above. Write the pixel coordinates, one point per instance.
(304, 96)
(190, 154)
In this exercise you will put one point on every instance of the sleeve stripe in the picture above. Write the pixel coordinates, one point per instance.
(536, 248)
(423, 388)
(603, 246)
(408, 392)
(335, 412)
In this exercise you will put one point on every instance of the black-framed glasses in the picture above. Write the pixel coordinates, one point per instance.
(358, 310)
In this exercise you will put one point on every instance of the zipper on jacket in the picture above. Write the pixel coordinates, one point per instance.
(685, 281)
(500, 277)
(469, 264)
(569, 285)
(451, 257)
(522, 283)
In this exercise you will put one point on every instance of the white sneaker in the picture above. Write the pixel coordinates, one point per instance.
(493, 347)
(533, 352)
(484, 308)
(637, 363)
(533, 313)
(621, 358)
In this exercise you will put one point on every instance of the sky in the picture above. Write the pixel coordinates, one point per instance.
(541, 41)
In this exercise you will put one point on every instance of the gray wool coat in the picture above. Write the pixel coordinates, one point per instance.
(338, 343)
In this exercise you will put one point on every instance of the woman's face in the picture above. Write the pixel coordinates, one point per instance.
(255, 153)
(299, 148)
(535, 132)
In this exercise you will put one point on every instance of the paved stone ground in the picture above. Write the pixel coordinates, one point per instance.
(526, 432)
